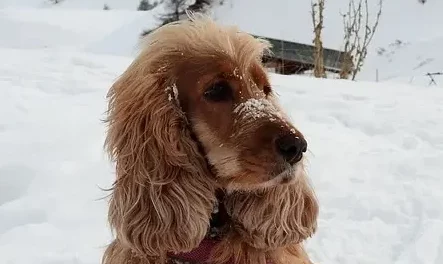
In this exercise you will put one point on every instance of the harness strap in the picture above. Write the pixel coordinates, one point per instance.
(219, 225)
(199, 255)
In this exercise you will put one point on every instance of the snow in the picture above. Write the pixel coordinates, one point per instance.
(172, 92)
(376, 153)
(409, 62)
(256, 108)
(51, 161)
(294, 21)
(50, 28)
(407, 21)
(117, 32)
(260, 22)
(375, 150)
(73, 4)
(124, 41)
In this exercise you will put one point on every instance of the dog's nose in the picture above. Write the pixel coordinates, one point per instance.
(291, 148)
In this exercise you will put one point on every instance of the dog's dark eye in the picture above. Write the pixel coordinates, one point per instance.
(219, 91)
(267, 89)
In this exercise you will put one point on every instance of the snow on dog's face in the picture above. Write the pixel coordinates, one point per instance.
(245, 134)
(222, 87)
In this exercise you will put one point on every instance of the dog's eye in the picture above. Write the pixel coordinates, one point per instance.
(267, 89)
(220, 91)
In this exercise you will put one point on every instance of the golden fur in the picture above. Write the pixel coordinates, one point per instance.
(173, 150)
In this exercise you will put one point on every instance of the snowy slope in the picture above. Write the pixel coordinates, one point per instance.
(408, 62)
(404, 20)
(98, 4)
(73, 4)
(51, 159)
(376, 153)
(114, 32)
(291, 20)
(27, 28)
(407, 21)
(374, 159)
(124, 41)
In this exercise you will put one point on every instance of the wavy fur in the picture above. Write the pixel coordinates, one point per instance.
(164, 192)
(269, 224)
(163, 196)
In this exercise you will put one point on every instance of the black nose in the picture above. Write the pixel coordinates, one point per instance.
(291, 147)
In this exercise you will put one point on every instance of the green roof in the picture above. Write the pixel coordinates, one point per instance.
(303, 53)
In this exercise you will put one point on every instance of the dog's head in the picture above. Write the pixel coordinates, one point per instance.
(219, 83)
(196, 94)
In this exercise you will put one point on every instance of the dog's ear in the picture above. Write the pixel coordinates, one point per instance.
(274, 217)
(271, 219)
(163, 197)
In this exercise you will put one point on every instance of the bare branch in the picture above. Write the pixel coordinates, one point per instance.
(317, 22)
(358, 34)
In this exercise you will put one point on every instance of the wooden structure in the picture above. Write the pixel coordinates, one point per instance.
(431, 76)
(296, 58)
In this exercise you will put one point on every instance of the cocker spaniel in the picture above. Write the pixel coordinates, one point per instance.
(209, 169)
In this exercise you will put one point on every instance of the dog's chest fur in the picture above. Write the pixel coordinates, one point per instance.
(219, 224)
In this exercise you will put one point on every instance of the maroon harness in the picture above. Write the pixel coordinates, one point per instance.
(218, 226)
(201, 255)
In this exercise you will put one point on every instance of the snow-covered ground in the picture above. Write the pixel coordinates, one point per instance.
(408, 62)
(375, 159)
(51, 161)
(375, 149)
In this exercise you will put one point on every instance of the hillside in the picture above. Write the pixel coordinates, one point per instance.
(407, 21)
(72, 4)
(408, 62)
(418, 25)
(375, 162)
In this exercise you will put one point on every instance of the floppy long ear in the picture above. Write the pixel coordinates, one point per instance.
(163, 197)
(271, 220)
(275, 217)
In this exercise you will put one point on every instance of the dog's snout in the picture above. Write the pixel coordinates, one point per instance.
(291, 147)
